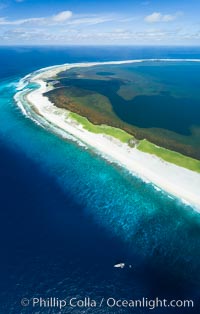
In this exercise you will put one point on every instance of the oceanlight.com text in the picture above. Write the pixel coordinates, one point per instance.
(87, 302)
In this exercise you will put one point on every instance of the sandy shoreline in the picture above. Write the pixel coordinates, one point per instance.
(175, 180)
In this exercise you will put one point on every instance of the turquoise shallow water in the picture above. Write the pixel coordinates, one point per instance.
(98, 216)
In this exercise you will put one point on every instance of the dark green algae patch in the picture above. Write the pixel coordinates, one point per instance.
(149, 100)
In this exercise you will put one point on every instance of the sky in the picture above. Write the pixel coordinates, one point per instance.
(100, 22)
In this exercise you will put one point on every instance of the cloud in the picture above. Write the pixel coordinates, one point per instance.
(66, 27)
(92, 20)
(62, 16)
(4, 21)
(55, 19)
(107, 36)
(157, 17)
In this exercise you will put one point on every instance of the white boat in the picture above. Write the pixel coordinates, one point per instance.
(120, 265)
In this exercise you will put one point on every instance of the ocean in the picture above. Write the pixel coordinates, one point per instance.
(67, 215)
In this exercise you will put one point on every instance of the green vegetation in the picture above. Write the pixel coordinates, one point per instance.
(104, 129)
(143, 145)
(170, 156)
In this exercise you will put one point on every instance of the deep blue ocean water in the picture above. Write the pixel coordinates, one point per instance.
(67, 216)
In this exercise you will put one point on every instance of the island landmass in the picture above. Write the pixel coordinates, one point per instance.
(79, 99)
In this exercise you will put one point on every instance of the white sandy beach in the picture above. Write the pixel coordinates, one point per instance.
(175, 180)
